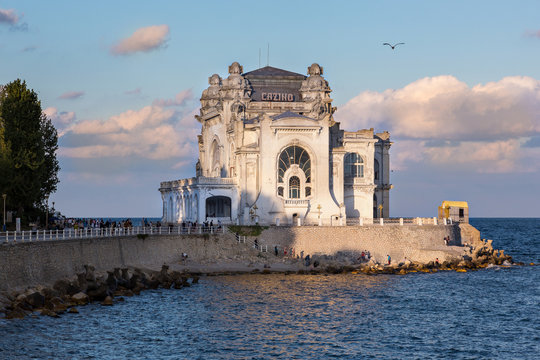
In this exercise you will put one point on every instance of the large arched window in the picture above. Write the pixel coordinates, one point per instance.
(294, 155)
(294, 187)
(354, 165)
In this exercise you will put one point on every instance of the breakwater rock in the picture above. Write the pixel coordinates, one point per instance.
(87, 287)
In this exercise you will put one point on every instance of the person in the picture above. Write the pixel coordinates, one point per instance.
(389, 259)
(256, 243)
(302, 254)
(275, 250)
(307, 260)
(184, 257)
(363, 256)
(437, 261)
(445, 241)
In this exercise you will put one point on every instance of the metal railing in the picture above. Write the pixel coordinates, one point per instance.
(65, 234)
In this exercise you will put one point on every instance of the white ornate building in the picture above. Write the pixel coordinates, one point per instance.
(270, 152)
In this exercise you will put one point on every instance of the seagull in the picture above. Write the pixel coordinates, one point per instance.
(394, 46)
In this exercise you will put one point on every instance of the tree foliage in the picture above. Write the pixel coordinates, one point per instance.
(28, 144)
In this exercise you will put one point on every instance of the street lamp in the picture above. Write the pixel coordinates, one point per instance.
(47, 212)
(4, 196)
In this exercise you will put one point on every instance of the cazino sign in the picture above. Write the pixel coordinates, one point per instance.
(274, 96)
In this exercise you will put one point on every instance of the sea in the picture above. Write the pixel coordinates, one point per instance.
(492, 313)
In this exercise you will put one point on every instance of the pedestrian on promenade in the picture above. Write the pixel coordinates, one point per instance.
(389, 259)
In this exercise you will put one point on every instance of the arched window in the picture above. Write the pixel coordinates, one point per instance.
(376, 169)
(294, 155)
(218, 206)
(294, 187)
(216, 159)
(354, 165)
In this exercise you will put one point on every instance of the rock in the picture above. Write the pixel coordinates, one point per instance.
(35, 300)
(73, 310)
(111, 281)
(48, 312)
(80, 298)
(16, 313)
(89, 273)
(99, 294)
(82, 283)
(108, 301)
(195, 280)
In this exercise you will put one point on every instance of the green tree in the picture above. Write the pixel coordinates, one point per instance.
(28, 144)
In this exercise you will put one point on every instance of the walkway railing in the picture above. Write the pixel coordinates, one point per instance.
(47, 235)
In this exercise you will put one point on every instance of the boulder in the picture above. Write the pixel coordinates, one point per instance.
(80, 298)
(108, 301)
(98, 294)
(73, 310)
(15, 313)
(35, 300)
(111, 281)
(89, 273)
(48, 312)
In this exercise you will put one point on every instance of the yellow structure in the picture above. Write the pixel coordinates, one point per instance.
(457, 211)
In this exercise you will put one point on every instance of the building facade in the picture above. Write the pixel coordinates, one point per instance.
(270, 152)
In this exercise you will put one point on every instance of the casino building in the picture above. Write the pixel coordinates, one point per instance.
(270, 152)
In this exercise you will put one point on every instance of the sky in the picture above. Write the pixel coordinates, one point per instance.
(121, 81)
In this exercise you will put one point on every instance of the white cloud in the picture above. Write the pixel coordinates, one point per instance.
(444, 121)
(156, 132)
(142, 40)
(8, 16)
(61, 120)
(71, 95)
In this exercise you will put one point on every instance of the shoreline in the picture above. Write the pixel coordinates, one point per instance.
(112, 286)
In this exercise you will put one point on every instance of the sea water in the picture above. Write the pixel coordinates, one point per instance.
(487, 314)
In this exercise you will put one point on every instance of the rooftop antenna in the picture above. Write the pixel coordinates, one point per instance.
(268, 56)
(259, 58)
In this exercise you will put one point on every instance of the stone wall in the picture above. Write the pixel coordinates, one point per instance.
(42, 263)
(416, 243)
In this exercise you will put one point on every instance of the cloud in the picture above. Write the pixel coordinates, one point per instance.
(142, 40)
(8, 16)
(444, 121)
(532, 33)
(71, 95)
(153, 132)
(136, 91)
(180, 99)
(29, 48)
(61, 120)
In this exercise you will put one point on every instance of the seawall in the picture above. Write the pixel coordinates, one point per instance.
(416, 243)
(42, 263)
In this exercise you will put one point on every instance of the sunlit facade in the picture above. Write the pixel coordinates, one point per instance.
(270, 152)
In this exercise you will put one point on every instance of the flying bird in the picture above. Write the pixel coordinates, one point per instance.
(394, 46)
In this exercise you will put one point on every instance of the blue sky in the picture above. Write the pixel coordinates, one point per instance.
(121, 80)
